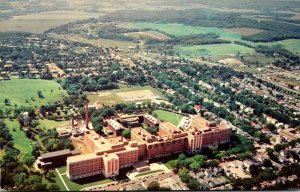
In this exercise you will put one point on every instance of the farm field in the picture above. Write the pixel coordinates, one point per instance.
(18, 91)
(21, 142)
(213, 50)
(95, 42)
(48, 124)
(40, 22)
(124, 95)
(168, 116)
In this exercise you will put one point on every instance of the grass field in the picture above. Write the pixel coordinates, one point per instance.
(20, 90)
(112, 97)
(40, 22)
(48, 124)
(168, 116)
(148, 173)
(182, 30)
(21, 142)
(96, 42)
(212, 50)
(292, 45)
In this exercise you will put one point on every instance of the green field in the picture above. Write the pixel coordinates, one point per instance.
(292, 45)
(48, 124)
(173, 118)
(182, 30)
(148, 173)
(111, 98)
(21, 142)
(212, 50)
(20, 90)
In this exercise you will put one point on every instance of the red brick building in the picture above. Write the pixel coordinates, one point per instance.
(107, 155)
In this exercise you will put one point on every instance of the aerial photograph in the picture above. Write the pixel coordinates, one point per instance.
(159, 95)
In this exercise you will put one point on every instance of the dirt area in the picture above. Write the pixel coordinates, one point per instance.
(53, 66)
(138, 95)
(244, 31)
(231, 62)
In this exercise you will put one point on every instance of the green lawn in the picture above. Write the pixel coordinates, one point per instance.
(87, 182)
(21, 142)
(48, 124)
(212, 50)
(24, 92)
(111, 98)
(148, 173)
(56, 180)
(168, 116)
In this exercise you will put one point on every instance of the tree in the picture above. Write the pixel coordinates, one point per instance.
(195, 166)
(194, 185)
(254, 170)
(20, 178)
(153, 186)
(126, 133)
(267, 163)
(40, 95)
(29, 160)
(152, 130)
(184, 175)
(6, 101)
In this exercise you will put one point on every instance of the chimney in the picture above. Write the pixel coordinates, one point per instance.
(87, 114)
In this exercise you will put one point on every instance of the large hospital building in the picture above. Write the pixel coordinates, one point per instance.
(107, 155)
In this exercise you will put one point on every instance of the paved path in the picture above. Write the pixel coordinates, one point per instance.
(62, 180)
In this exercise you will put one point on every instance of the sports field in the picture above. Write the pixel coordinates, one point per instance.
(24, 92)
(21, 142)
(124, 95)
(173, 118)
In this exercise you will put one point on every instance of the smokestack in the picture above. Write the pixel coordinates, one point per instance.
(87, 114)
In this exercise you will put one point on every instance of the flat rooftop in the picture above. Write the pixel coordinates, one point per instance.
(59, 153)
